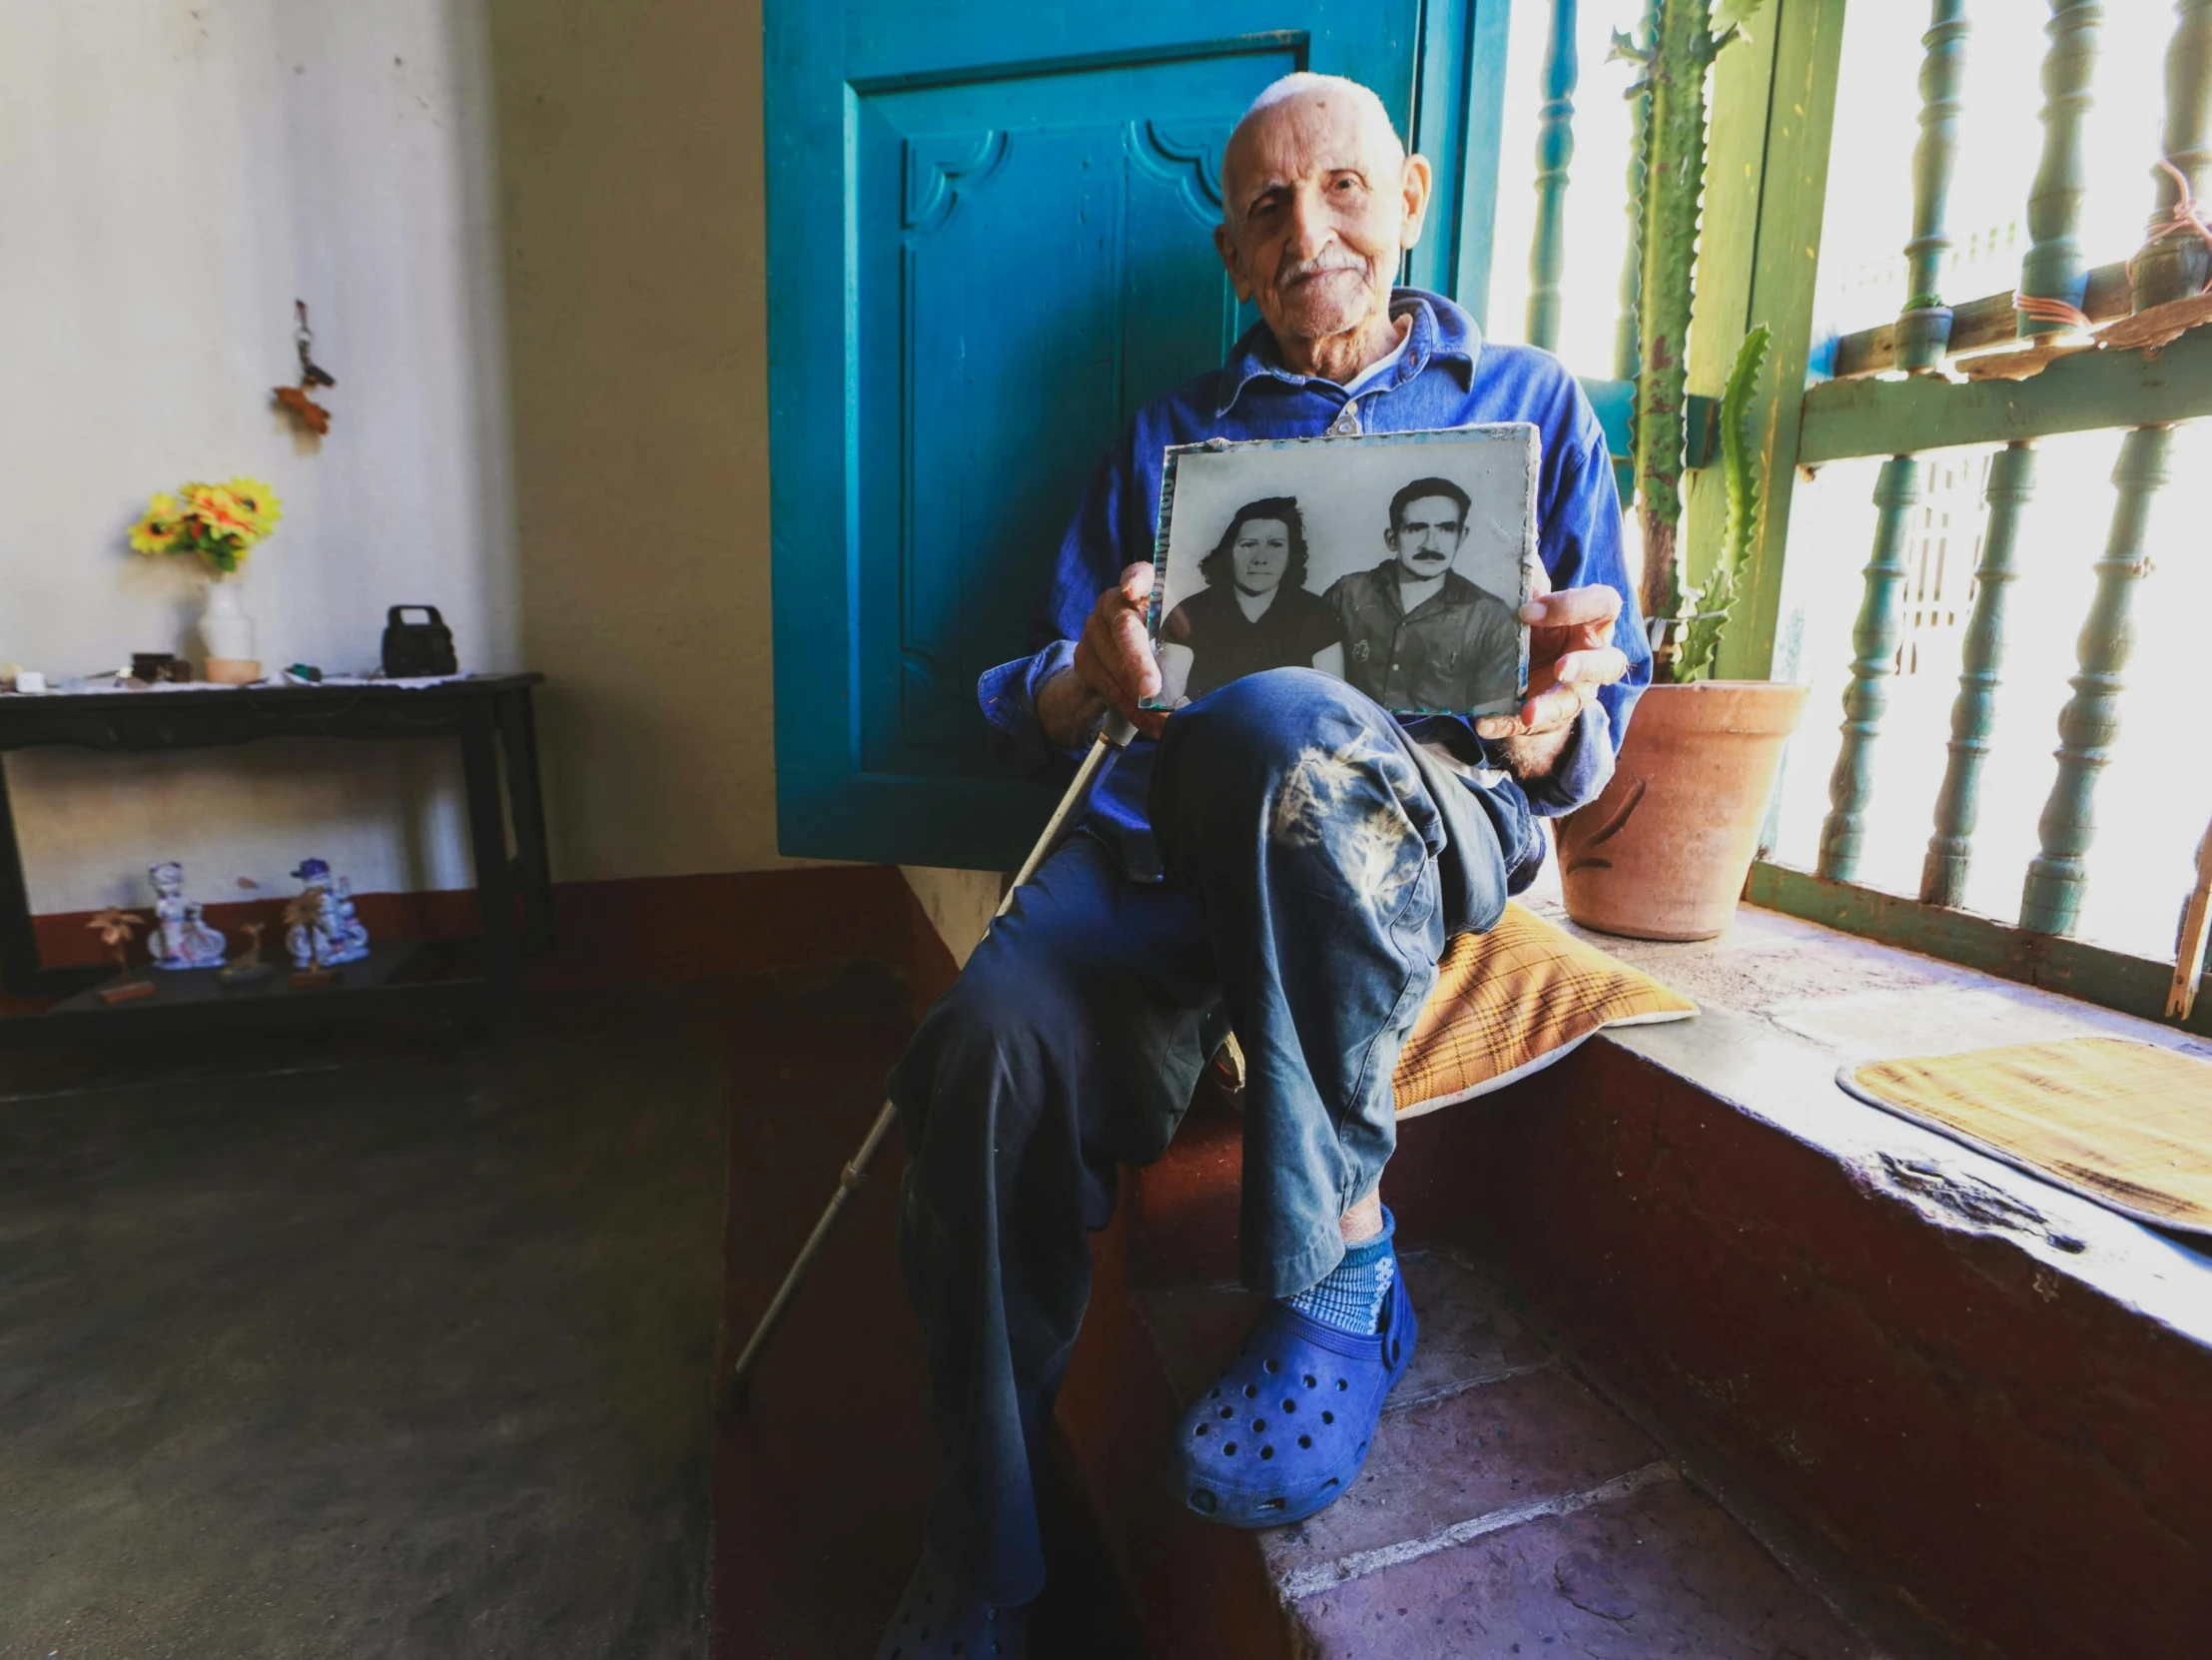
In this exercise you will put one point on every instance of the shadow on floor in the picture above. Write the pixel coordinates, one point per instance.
(399, 1342)
(395, 1346)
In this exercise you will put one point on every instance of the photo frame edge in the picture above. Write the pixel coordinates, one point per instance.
(1524, 432)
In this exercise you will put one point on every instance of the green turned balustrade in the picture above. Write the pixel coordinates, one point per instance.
(1555, 148)
(2051, 900)
(2141, 393)
(2176, 267)
(1924, 335)
(1923, 330)
(1875, 647)
(2053, 269)
(1974, 711)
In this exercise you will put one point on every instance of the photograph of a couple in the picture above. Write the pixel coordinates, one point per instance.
(1398, 562)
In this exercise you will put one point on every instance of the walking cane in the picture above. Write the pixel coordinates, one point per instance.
(1113, 737)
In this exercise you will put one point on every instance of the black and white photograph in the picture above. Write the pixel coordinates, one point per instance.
(1398, 562)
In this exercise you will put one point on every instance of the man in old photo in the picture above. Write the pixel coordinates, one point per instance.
(1280, 857)
(1418, 635)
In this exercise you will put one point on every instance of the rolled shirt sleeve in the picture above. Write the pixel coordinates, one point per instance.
(1112, 528)
(1583, 769)
(1009, 695)
(1579, 540)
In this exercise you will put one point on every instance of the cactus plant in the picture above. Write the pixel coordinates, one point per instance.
(1701, 635)
(1681, 39)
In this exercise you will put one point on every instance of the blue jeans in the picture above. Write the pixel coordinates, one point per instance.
(1315, 862)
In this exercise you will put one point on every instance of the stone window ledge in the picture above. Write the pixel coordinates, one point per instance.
(1787, 1003)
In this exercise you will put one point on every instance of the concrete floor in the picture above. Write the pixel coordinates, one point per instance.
(398, 1342)
(388, 1345)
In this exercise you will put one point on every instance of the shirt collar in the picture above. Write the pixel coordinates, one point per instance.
(1455, 590)
(1441, 332)
(1383, 371)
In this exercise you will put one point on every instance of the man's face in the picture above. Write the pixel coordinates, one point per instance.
(1260, 554)
(1427, 538)
(1321, 200)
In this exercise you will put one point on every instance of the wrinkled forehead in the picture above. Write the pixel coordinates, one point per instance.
(1309, 135)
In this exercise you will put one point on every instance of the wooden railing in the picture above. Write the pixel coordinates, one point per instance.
(2068, 350)
(1555, 149)
(2147, 366)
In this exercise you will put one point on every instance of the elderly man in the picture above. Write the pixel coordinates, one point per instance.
(1417, 634)
(1280, 857)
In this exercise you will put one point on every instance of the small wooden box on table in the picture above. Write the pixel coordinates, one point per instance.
(488, 713)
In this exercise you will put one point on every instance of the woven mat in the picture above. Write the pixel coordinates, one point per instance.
(2126, 1123)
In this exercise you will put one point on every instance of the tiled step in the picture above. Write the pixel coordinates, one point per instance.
(1660, 1570)
(1506, 1509)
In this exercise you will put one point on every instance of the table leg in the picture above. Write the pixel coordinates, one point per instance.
(527, 801)
(487, 835)
(19, 969)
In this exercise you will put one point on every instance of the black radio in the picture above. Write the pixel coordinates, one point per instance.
(415, 649)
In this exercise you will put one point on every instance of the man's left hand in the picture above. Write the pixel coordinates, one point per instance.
(1571, 654)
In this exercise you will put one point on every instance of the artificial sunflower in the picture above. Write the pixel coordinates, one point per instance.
(219, 509)
(157, 533)
(258, 503)
(219, 522)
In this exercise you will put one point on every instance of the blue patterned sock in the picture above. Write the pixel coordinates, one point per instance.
(1350, 1295)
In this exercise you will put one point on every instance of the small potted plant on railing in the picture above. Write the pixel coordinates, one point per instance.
(1663, 853)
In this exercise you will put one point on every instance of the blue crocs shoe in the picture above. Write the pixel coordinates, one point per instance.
(1285, 1431)
(937, 1620)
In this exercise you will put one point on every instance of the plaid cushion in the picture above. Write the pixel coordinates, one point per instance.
(1514, 1000)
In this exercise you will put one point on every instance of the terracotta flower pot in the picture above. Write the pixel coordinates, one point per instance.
(1663, 853)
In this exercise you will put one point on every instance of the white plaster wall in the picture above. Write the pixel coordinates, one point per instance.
(175, 173)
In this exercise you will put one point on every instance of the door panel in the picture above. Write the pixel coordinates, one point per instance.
(1023, 198)
(1003, 349)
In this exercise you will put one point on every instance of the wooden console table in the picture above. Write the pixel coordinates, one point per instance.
(489, 714)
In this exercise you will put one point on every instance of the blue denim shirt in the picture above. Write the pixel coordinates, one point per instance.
(1448, 376)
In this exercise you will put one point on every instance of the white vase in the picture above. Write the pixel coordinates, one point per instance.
(228, 634)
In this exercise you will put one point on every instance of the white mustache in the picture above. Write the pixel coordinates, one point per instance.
(1337, 259)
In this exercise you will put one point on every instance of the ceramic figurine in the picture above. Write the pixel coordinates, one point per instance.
(325, 930)
(349, 925)
(181, 937)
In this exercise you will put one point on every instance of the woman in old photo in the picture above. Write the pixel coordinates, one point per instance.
(1255, 612)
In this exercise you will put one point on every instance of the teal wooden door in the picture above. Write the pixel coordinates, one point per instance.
(989, 240)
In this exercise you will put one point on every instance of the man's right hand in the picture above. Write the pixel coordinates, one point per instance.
(1114, 666)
